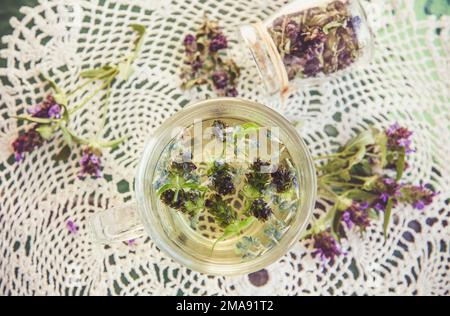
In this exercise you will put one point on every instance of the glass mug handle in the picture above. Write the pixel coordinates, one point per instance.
(118, 224)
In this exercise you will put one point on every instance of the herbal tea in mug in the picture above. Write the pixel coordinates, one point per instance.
(225, 190)
(225, 187)
(308, 41)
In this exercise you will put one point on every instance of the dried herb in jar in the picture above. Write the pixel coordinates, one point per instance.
(319, 40)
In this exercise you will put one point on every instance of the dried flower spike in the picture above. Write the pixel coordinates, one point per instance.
(26, 143)
(47, 109)
(205, 62)
(90, 163)
(326, 247)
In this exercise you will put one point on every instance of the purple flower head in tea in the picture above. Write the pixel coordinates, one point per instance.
(220, 79)
(218, 42)
(260, 209)
(72, 227)
(90, 163)
(399, 137)
(326, 247)
(26, 142)
(46, 109)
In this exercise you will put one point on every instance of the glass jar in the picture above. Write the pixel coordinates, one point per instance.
(307, 42)
(169, 229)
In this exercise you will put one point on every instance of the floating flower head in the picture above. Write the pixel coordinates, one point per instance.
(326, 247)
(46, 109)
(260, 209)
(282, 178)
(399, 137)
(26, 142)
(90, 163)
(356, 215)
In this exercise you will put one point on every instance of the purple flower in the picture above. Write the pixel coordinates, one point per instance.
(292, 30)
(72, 227)
(220, 79)
(356, 215)
(218, 42)
(26, 142)
(418, 196)
(90, 163)
(231, 92)
(312, 67)
(190, 44)
(326, 247)
(355, 23)
(399, 137)
(46, 109)
(197, 64)
(131, 242)
(387, 188)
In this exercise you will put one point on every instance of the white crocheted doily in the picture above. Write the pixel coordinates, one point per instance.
(408, 82)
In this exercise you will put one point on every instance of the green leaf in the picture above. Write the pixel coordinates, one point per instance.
(53, 84)
(125, 70)
(63, 155)
(387, 216)
(359, 195)
(401, 162)
(363, 139)
(61, 99)
(234, 229)
(194, 186)
(332, 24)
(67, 135)
(140, 29)
(373, 214)
(113, 143)
(164, 188)
(46, 131)
(35, 119)
(98, 73)
(381, 140)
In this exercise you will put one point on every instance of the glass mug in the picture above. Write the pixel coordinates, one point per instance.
(308, 42)
(169, 230)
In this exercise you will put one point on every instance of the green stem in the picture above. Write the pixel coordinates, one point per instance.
(81, 86)
(343, 184)
(91, 96)
(331, 156)
(104, 114)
